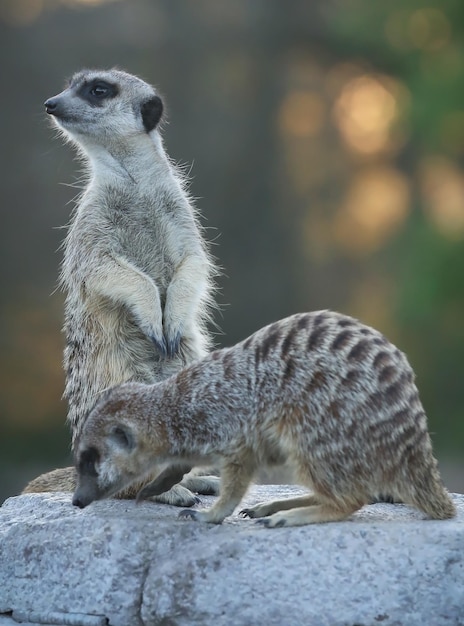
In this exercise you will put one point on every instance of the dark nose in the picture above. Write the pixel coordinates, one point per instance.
(51, 106)
(78, 502)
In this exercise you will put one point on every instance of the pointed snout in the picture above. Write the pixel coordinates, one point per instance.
(87, 491)
(81, 500)
(55, 106)
(51, 105)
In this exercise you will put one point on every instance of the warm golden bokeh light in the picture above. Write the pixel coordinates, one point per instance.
(302, 114)
(452, 132)
(375, 207)
(426, 29)
(367, 112)
(442, 188)
(20, 12)
(316, 235)
(25, 12)
(305, 164)
(30, 366)
(429, 29)
(372, 302)
(87, 2)
(301, 122)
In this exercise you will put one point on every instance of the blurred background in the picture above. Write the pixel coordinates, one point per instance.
(325, 141)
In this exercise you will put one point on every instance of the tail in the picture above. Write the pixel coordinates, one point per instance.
(62, 479)
(429, 494)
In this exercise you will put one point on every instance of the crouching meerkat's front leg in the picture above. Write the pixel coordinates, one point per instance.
(235, 478)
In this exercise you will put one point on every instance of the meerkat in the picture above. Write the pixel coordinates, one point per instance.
(136, 269)
(320, 391)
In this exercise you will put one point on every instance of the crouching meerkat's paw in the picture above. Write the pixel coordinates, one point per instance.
(253, 512)
(200, 516)
(188, 514)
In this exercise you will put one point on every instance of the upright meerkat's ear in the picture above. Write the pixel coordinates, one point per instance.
(151, 111)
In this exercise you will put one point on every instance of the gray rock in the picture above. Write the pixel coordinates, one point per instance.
(130, 565)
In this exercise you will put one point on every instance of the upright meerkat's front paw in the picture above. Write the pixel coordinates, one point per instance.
(177, 496)
(172, 343)
(204, 485)
(154, 331)
(160, 344)
(173, 333)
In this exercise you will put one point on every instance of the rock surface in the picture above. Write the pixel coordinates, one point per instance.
(123, 564)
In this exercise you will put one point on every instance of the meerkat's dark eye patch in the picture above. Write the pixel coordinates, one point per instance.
(151, 111)
(123, 437)
(87, 460)
(96, 91)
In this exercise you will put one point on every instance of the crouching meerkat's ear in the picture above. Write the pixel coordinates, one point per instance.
(123, 438)
(151, 111)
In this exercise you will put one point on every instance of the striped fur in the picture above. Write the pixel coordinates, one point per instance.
(319, 391)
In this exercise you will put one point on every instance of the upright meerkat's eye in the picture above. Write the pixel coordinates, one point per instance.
(99, 91)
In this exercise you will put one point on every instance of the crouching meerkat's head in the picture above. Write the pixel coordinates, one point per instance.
(104, 106)
(112, 451)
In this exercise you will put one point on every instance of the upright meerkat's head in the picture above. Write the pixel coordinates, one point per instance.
(103, 106)
(112, 452)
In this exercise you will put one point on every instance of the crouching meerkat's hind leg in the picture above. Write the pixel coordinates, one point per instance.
(316, 513)
(298, 511)
(269, 508)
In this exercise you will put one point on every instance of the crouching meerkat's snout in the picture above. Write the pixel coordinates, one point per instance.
(88, 489)
(110, 459)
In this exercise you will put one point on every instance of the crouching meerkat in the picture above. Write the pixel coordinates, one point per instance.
(319, 391)
(136, 270)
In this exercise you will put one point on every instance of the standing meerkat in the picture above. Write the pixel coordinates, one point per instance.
(136, 270)
(319, 391)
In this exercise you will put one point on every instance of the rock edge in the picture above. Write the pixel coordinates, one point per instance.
(124, 564)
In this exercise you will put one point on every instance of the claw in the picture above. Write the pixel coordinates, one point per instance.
(267, 521)
(246, 513)
(143, 494)
(188, 514)
(160, 345)
(173, 345)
